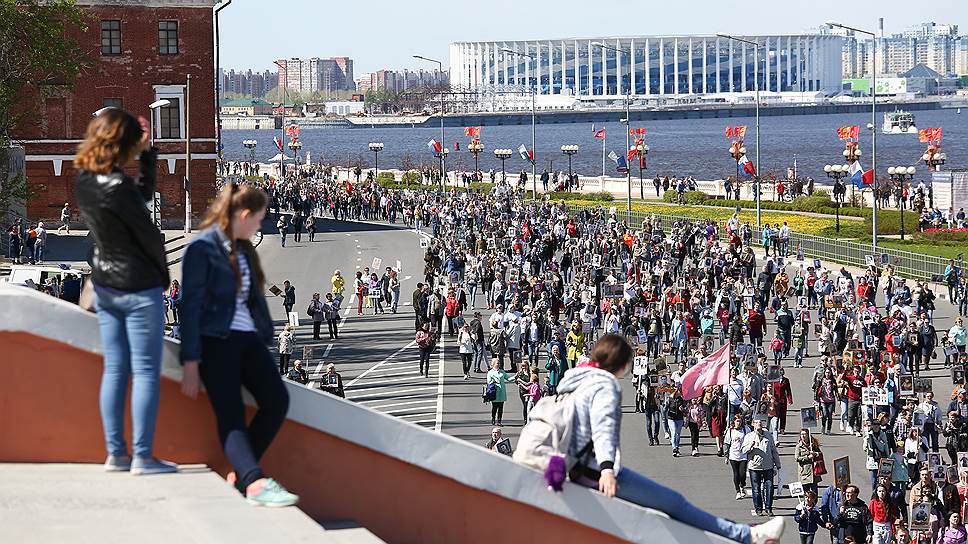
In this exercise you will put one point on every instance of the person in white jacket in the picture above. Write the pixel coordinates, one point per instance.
(595, 443)
(763, 460)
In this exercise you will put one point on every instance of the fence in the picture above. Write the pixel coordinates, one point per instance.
(906, 263)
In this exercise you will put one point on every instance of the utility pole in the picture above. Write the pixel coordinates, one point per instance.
(188, 155)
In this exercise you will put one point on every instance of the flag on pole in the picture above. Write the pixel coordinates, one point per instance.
(292, 130)
(472, 131)
(600, 134)
(621, 163)
(929, 135)
(278, 142)
(747, 168)
(631, 154)
(711, 370)
(525, 153)
(858, 176)
(434, 146)
(740, 131)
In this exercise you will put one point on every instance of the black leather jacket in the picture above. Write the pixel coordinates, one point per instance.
(129, 252)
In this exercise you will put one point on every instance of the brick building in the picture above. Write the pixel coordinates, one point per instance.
(140, 51)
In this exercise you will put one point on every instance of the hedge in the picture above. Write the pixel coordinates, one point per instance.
(601, 196)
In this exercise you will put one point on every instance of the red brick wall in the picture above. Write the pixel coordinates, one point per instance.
(130, 76)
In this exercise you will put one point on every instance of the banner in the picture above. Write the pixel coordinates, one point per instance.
(292, 130)
(848, 133)
(472, 131)
(637, 131)
(926, 135)
(600, 134)
(739, 131)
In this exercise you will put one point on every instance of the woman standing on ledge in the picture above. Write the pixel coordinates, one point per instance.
(129, 277)
(225, 330)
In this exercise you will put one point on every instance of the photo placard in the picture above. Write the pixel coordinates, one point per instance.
(640, 365)
(808, 417)
(841, 472)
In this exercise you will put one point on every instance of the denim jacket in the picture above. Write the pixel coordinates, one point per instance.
(208, 295)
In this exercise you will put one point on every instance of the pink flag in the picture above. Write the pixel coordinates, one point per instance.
(712, 370)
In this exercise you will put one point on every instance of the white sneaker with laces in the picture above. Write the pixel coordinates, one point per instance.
(769, 532)
(739, 495)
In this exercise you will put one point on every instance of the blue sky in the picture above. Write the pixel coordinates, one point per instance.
(385, 33)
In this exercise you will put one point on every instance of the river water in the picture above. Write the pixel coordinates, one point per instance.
(694, 147)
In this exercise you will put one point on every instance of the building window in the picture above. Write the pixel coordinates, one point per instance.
(169, 119)
(112, 103)
(167, 37)
(110, 37)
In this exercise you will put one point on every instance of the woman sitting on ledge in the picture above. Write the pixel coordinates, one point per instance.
(595, 443)
(226, 327)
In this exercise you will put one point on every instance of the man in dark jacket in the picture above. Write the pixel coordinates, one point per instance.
(288, 296)
(416, 301)
(854, 518)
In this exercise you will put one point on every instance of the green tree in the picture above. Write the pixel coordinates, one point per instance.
(38, 58)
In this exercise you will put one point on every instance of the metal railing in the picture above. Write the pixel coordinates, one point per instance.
(906, 263)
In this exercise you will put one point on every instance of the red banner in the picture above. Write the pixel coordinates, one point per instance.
(929, 135)
(637, 131)
(292, 130)
(600, 134)
(739, 131)
(472, 131)
(849, 133)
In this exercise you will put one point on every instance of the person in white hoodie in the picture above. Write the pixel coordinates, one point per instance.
(595, 443)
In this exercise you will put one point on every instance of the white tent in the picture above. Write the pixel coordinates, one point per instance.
(276, 159)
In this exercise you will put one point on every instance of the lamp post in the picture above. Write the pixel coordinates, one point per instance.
(295, 146)
(873, 124)
(154, 107)
(443, 154)
(737, 151)
(476, 148)
(837, 172)
(627, 121)
(900, 174)
(756, 85)
(285, 91)
(852, 154)
(569, 150)
(933, 157)
(376, 148)
(503, 155)
(641, 150)
(250, 145)
(443, 160)
(531, 89)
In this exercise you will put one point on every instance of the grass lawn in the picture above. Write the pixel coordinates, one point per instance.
(946, 249)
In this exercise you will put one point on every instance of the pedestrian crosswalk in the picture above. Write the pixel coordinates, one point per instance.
(396, 387)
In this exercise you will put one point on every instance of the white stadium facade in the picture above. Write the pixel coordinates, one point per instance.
(651, 66)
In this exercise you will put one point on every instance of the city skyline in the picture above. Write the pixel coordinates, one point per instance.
(242, 48)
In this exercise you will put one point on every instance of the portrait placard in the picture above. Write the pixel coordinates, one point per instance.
(640, 365)
(906, 385)
(920, 517)
(808, 417)
(841, 472)
(275, 290)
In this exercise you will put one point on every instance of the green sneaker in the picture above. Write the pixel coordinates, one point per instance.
(272, 495)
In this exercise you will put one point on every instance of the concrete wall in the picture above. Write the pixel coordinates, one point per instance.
(402, 482)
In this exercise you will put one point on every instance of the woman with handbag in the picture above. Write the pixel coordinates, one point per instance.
(810, 462)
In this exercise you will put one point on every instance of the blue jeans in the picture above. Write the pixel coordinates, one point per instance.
(762, 484)
(132, 328)
(640, 490)
(652, 424)
(675, 429)
(472, 293)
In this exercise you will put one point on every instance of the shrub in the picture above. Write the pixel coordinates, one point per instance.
(942, 235)
(692, 197)
(386, 176)
(412, 177)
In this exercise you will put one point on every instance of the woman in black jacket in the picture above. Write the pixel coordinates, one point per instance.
(129, 275)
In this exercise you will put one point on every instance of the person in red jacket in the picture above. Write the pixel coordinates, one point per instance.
(756, 321)
(883, 513)
(783, 394)
(863, 291)
(855, 385)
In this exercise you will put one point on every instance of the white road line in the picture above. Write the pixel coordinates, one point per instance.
(378, 365)
(328, 349)
(420, 421)
(410, 412)
(420, 397)
(382, 406)
(374, 382)
(395, 392)
(440, 388)
(405, 278)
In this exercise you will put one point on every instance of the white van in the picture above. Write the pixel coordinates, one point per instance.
(38, 274)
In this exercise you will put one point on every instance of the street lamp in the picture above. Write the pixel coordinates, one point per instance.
(534, 160)
(250, 145)
(852, 154)
(476, 148)
(933, 157)
(443, 154)
(756, 85)
(737, 151)
(837, 172)
(503, 155)
(569, 150)
(154, 107)
(285, 91)
(641, 150)
(873, 124)
(295, 146)
(627, 121)
(900, 174)
(376, 148)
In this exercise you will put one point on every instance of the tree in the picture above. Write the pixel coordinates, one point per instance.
(38, 58)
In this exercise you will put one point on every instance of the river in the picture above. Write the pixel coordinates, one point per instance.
(693, 147)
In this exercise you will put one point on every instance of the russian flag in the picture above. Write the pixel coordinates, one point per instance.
(746, 166)
(278, 142)
(621, 163)
(859, 177)
(526, 154)
(434, 147)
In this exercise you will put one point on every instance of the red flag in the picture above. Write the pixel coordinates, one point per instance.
(854, 132)
(472, 131)
(712, 370)
(936, 134)
(600, 134)
(292, 130)
(729, 132)
(924, 135)
(349, 187)
(843, 133)
(631, 155)
(867, 178)
(740, 131)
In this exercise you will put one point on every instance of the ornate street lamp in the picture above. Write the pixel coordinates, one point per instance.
(837, 172)
(569, 150)
(900, 174)
(476, 148)
(295, 146)
(503, 155)
(641, 150)
(250, 145)
(376, 148)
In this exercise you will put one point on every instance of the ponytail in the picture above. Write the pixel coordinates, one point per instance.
(232, 198)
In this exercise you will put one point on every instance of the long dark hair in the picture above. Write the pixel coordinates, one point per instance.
(234, 198)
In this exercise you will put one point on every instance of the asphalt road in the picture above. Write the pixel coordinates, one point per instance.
(378, 361)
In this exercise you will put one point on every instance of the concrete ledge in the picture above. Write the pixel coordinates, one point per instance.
(400, 481)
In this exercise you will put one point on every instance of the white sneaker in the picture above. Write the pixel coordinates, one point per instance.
(769, 532)
(667, 436)
(841, 426)
(739, 495)
(743, 491)
(695, 453)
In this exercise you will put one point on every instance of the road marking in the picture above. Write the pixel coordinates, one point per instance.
(375, 383)
(440, 389)
(408, 412)
(405, 278)
(378, 365)
(381, 406)
(394, 393)
(348, 234)
(328, 349)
